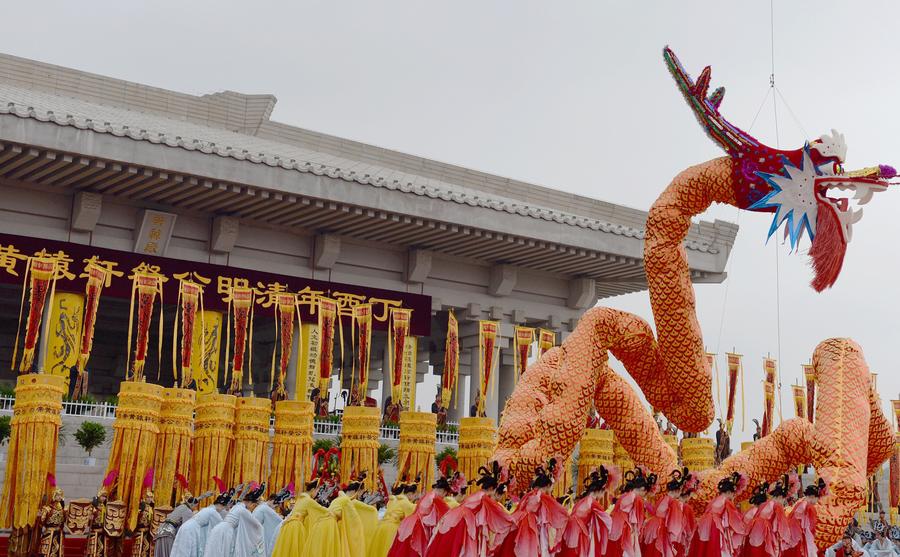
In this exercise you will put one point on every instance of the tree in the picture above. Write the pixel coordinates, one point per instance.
(90, 436)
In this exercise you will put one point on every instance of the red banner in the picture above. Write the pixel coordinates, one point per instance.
(327, 319)
(488, 331)
(810, 374)
(769, 396)
(546, 341)
(362, 323)
(734, 373)
(524, 340)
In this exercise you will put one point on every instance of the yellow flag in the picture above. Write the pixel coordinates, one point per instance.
(64, 334)
(408, 382)
(207, 342)
(307, 361)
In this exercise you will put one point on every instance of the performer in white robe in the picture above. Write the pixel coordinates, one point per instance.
(271, 523)
(239, 535)
(191, 538)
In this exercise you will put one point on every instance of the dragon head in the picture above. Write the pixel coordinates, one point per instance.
(812, 197)
(806, 189)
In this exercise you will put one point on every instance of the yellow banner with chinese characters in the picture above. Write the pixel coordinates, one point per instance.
(64, 334)
(307, 361)
(408, 383)
(207, 342)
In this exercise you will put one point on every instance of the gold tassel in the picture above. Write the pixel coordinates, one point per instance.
(213, 440)
(173, 449)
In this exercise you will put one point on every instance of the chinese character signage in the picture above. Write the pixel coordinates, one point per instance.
(154, 233)
(15, 251)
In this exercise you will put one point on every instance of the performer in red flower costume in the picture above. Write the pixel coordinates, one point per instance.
(479, 523)
(760, 539)
(720, 530)
(803, 519)
(539, 518)
(628, 514)
(663, 534)
(587, 530)
(689, 521)
(416, 529)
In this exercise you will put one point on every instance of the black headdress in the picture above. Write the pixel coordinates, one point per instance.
(677, 479)
(286, 493)
(781, 487)
(544, 477)
(356, 483)
(637, 479)
(225, 498)
(492, 478)
(730, 484)
(412, 487)
(760, 494)
(255, 493)
(816, 489)
(596, 481)
(442, 483)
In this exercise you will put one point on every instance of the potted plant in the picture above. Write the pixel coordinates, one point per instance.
(5, 431)
(90, 436)
(386, 454)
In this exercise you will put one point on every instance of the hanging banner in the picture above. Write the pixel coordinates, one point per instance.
(546, 341)
(242, 313)
(307, 361)
(285, 308)
(769, 394)
(15, 251)
(810, 374)
(190, 300)
(146, 285)
(64, 333)
(524, 339)
(38, 277)
(450, 377)
(714, 370)
(327, 319)
(799, 400)
(362, 323)
(408, 387)
(734, 371)
(399, 331)
(488, 332)
(99, 275)
(207, 342)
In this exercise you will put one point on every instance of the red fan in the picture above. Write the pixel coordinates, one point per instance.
(51, 480)
(148, 479)
(448, 466)
(110, 478)
(182, 481)
(220, 484)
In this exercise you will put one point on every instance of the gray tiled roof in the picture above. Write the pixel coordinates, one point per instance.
(44, 106)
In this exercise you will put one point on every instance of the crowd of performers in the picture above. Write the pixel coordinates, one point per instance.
(645, 516)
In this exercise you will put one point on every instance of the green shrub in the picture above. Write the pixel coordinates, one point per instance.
(324, 444)
(7, 390)
(4, 429)
(90, 436)
(386, 454)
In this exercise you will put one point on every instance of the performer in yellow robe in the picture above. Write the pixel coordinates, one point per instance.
(340, 532)
(399, 507)
(294, 530)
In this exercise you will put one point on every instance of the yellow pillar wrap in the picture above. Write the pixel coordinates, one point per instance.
(213, 440)
(417, 438)
(307, 361)
(564, 481)
(698, 453)
(621, 458)
(207, 342)
(359, 444)
(251, 440)
(173, 446)
(32, 447)
(135, 432)
(745, 445)
(64, 335)
(595, 449)
(477, 440)
(292, 445)
(672, 441)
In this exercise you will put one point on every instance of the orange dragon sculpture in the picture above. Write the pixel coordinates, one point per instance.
(546, 414)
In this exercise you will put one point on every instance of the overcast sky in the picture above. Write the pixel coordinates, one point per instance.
(570, 95)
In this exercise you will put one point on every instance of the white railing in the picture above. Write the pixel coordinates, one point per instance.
(107, 411)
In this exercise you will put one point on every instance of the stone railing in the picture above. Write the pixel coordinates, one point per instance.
(323, 426)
